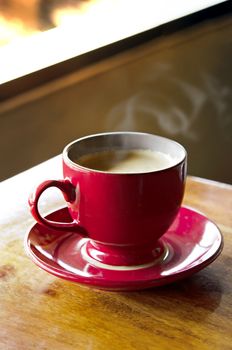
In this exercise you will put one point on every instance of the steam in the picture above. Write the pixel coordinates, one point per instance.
(173, 104)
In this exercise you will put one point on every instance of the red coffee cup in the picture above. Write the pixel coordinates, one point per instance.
(123, 215)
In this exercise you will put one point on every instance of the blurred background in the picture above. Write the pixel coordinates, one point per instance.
(20, 18)
(72, 68)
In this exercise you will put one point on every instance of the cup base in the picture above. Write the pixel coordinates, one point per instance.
(123, 257)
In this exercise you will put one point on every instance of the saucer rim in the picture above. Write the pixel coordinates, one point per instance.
(121, 284)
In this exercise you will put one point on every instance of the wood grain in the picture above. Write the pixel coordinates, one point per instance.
(40, 311)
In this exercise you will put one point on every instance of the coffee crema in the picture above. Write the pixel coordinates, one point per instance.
(126, 161)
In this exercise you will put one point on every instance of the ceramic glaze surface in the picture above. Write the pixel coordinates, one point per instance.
(191, 243)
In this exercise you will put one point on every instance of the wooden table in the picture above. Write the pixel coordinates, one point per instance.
(40, 311)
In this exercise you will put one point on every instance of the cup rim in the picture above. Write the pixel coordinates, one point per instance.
(77, 166)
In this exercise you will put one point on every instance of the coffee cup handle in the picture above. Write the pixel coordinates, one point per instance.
(69, 193)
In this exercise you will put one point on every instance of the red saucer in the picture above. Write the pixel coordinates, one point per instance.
(191, 243)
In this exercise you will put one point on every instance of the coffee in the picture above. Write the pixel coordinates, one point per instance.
(126, 161)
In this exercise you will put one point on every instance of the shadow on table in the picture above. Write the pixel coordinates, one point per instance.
(192, 298)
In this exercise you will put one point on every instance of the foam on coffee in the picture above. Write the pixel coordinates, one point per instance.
(126, 161)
